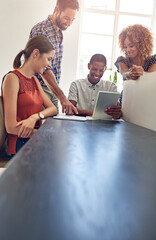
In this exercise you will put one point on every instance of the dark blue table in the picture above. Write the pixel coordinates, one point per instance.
(93, 180)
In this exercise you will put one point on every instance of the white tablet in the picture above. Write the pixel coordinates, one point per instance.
(103, 101)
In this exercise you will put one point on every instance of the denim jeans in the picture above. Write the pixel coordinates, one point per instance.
(20, 142)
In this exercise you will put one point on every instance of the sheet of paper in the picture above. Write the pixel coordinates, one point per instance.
(70, 117)
(78, 118)
(94, 119)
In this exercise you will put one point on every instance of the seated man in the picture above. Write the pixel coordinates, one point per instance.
(83, 92)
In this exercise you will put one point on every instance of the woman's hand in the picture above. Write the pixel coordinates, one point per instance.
(26, 127)
(135, 72)
(114, 111)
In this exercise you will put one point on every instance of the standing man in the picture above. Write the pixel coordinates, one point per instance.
(62, 17)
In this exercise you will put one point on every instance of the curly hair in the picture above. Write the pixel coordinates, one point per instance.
(141, 37)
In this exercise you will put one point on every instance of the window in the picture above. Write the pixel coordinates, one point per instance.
(101, 23)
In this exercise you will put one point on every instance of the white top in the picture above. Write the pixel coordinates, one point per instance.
(85, 93)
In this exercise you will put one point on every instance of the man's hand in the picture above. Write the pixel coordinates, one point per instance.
(68, 107)
(50, 81)
(114, 111)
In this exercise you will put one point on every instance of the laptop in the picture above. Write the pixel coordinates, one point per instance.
(104, 100)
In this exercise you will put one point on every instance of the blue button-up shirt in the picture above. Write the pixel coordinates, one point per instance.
(55, 36)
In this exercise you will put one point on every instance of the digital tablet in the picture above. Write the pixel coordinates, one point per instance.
(103, 101)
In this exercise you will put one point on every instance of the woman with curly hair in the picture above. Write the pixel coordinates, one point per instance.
(136, 42)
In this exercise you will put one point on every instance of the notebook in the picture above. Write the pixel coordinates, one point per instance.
(104, 100)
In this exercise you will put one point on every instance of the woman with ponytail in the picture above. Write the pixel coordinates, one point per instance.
(23, 95)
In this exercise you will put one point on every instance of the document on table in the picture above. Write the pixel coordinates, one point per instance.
(70, 117)
(79, 118)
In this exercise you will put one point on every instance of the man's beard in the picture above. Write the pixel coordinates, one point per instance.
(61, 26)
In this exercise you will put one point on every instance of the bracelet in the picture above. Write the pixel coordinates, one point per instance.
(127, 74)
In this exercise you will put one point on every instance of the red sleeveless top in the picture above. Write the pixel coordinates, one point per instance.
(29, 101)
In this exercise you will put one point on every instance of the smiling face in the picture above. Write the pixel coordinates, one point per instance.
(65, 18)
(130, 49)
(43, 61)
(96, 72)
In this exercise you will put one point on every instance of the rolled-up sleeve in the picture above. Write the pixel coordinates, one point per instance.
(122, 60)
(113, 88)
(73, 92)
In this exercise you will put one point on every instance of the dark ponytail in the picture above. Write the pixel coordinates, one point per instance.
(38, 42)
(17, 61)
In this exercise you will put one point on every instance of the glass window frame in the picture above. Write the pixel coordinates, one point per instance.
(116, 13)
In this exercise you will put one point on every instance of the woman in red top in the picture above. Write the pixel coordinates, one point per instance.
(23, 95)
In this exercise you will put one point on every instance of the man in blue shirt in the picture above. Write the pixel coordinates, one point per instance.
(62, 17)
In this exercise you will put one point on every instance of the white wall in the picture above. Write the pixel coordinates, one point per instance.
(17, 17)
(70, 55)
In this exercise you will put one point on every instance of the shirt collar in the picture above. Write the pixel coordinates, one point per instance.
(57, 29)
(91, 85)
